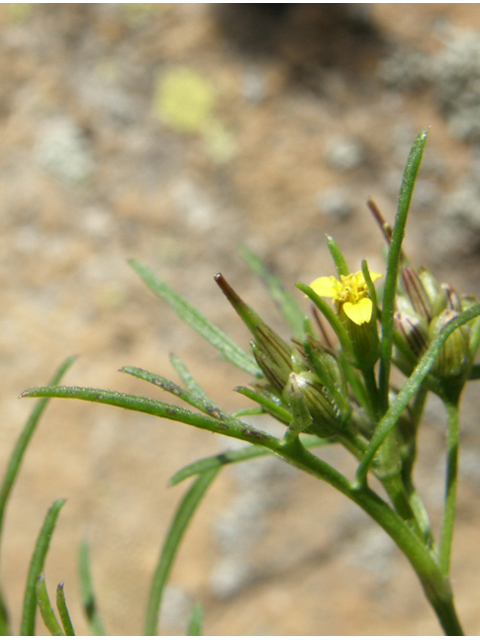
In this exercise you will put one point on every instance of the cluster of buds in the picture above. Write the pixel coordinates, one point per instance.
(308, 378)
(308, 373)
(423, 308)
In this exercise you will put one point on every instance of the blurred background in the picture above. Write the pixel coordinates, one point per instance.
(170, 133)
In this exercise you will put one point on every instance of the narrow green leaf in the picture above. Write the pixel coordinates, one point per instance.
(36, 567)
(63, 611)
(167, 385)
(255, 411)
(226, 425)
(337, 255)
(370, 286)
(216, 462)
(48, 614)
(87, 593)
(289, 307)
(178, 527)
(188, 380)
(236, 455)
(410, 388)
(4, 617)
(14, 465)
(393, 263)
(200, 323)
(268, 403)
(196, 621)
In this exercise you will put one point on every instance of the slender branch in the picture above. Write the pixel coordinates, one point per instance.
(435, 584)
(451, 479)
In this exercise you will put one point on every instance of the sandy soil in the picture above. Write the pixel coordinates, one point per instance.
(299, 119)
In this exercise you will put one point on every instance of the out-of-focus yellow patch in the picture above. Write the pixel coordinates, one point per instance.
(184, 100)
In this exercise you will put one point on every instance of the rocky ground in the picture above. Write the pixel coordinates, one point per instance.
(170, 133)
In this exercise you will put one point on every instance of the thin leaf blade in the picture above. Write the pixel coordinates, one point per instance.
(393, 263)
(63, 611)
(289, 308)
(226, 425)
(196, 401)
(87, 593)
(236, 455)
(48, 614)
(195, 627)
(195, 319)
(178, 527)
(36, 567)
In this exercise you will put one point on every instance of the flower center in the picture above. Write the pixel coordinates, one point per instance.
(351, 289)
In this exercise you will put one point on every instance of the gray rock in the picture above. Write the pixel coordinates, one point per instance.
(335, 204)
(64, 151)
(344, 153)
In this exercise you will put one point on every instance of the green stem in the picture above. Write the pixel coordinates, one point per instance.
(372, 393)
(448, 520)
(409, 455)
(421, 515)
(388, 471)
(435, 584)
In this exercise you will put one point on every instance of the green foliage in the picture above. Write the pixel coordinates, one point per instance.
(46, 609)
(196, 621)
(322, 394)
(175, 534)
(87, 594)
(36, 568)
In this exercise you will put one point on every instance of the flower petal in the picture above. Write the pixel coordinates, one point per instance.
(359, 312)
(327, 287)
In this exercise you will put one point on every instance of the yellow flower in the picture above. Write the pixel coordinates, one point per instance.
(350, 294)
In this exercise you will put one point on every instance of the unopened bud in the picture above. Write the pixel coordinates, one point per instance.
(435, 293)
(454, 301)
(328, 370)
(273, 356)
(416, 293)
(454, 356)
(413, 331)
(327, 419)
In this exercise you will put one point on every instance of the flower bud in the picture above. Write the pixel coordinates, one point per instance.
(421, 293)
(328, 370)
(327, 418)
(273, 356)
(453, 300)
(413, 332)
(416, 293)
(454, 357)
